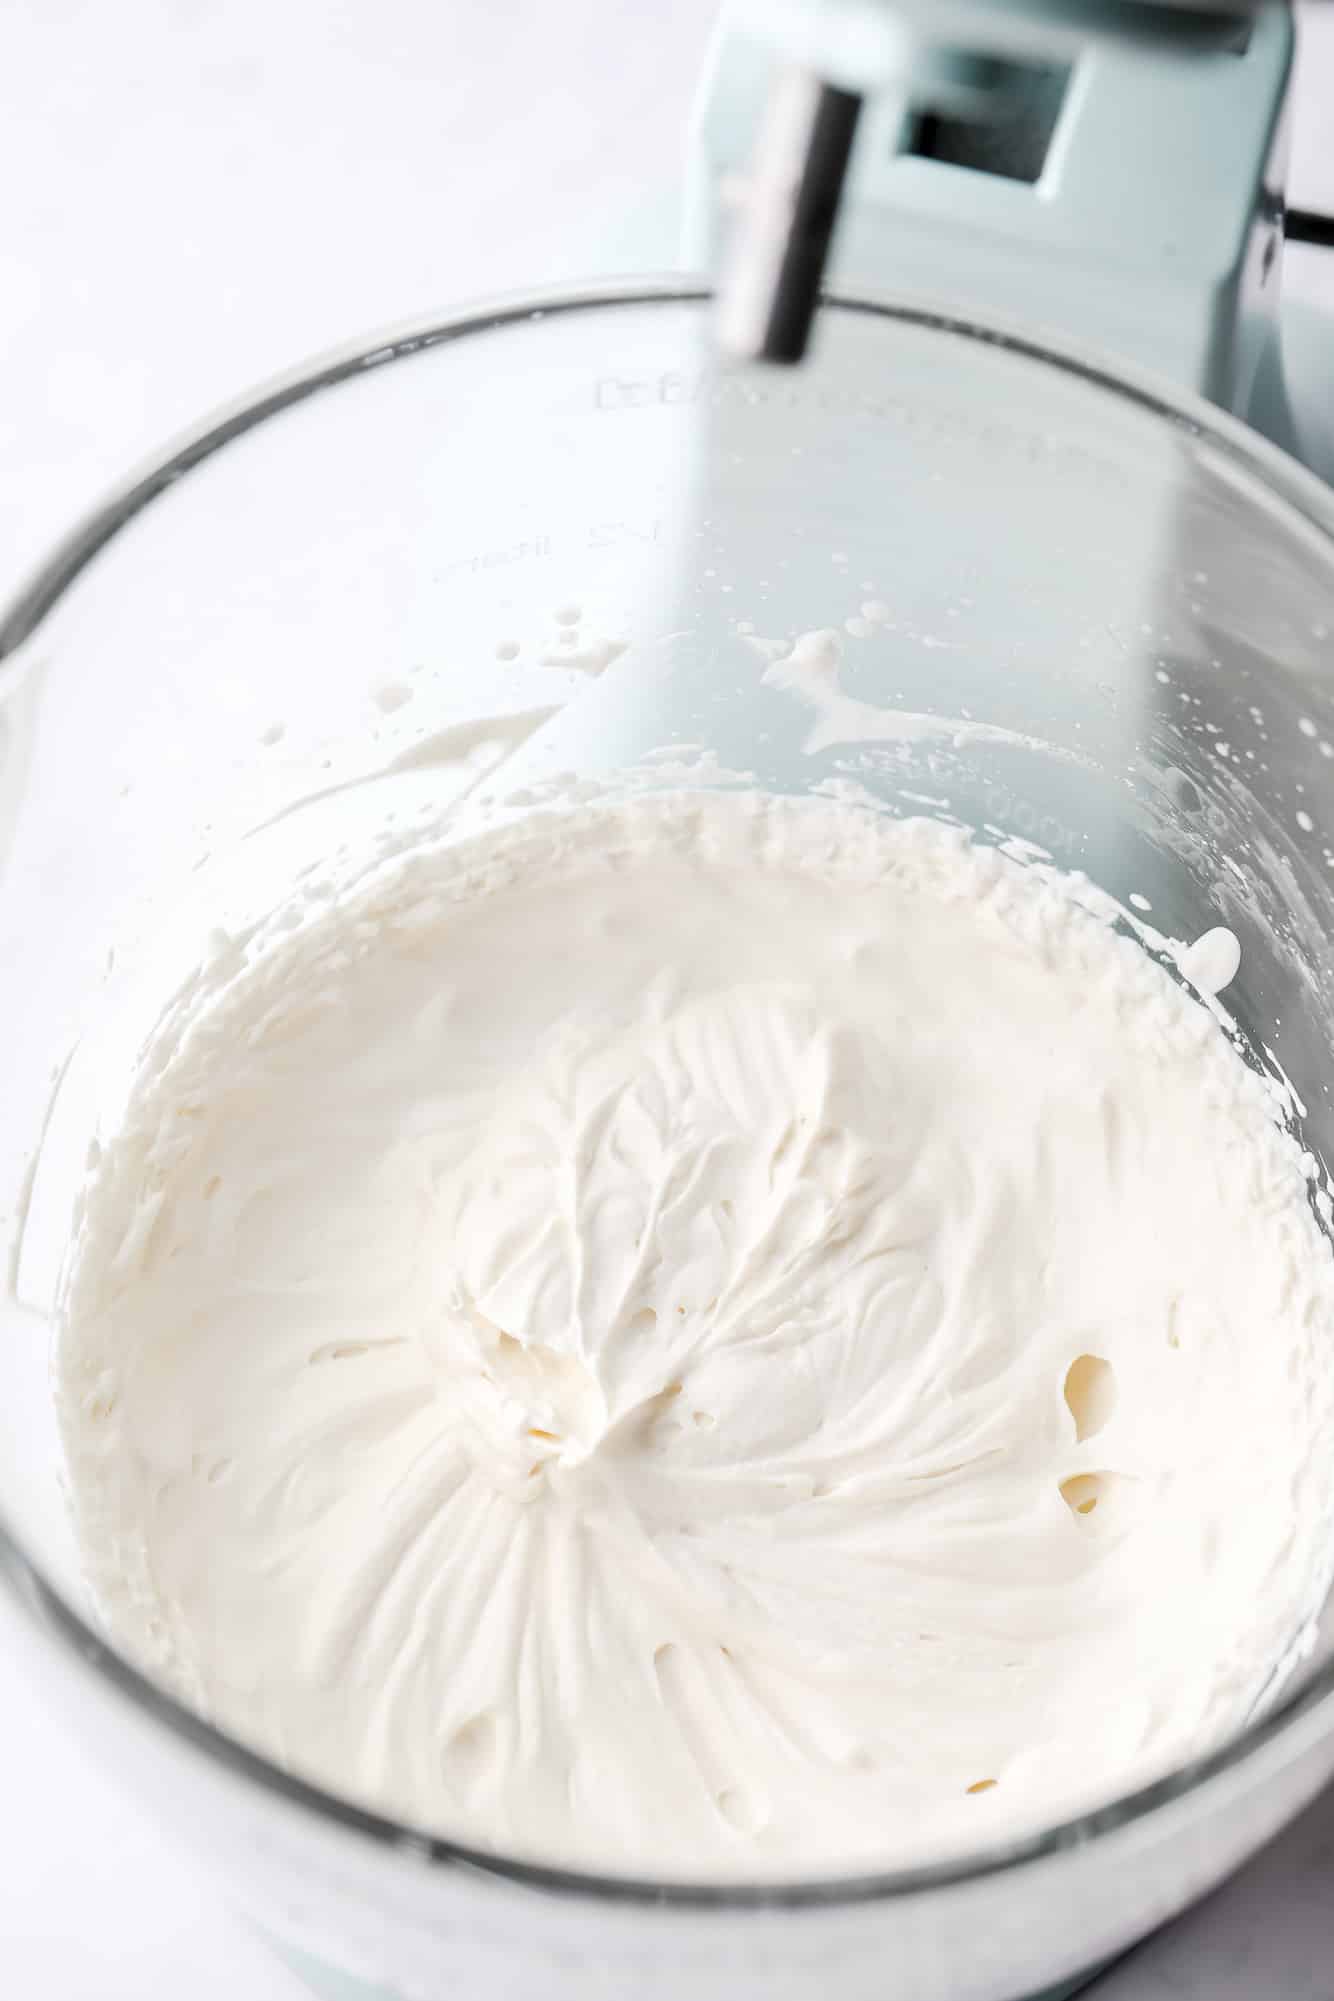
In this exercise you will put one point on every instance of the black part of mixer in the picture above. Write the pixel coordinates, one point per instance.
(792, 303)
(1306, 225)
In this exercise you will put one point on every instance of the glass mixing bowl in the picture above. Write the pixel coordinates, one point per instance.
(553, 538)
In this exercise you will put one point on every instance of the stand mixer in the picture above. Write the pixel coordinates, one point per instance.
(1113, 172)
(1133, 596)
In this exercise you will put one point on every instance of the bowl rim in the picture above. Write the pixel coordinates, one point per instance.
(51, 1613)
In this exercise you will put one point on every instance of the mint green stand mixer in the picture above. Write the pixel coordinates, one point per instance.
(1110, 171)
(1048, 233)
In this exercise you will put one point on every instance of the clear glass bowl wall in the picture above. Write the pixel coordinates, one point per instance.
(1100, 622)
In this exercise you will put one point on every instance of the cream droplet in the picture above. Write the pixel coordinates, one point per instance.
(1212, 962)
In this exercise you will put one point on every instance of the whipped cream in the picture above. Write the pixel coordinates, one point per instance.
(710, 1336)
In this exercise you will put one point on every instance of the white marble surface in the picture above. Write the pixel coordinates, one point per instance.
(196, 194)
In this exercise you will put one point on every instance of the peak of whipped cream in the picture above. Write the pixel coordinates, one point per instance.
(715, 1337)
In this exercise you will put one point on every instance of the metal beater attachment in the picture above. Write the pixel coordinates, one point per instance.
(790, 207)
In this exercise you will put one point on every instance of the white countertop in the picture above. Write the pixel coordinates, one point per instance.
(195, 196)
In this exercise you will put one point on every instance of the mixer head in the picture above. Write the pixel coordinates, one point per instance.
(982, 82)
